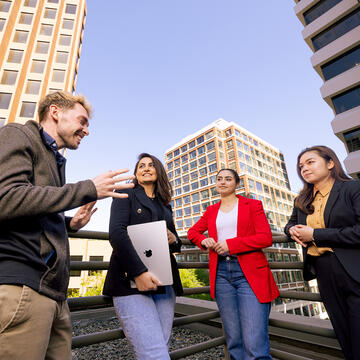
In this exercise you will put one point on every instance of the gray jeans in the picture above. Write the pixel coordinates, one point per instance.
(147, 322)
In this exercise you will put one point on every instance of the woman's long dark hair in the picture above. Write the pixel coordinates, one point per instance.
(162, 187)
(306, 195)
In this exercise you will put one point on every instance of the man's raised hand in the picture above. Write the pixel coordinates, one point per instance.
(106, 184)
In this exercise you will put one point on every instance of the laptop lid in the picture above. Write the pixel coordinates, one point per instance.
(151, 244)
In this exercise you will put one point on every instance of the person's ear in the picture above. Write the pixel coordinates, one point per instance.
(330, 164)
(54, 112)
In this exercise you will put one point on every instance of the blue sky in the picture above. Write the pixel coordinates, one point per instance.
(156, 71)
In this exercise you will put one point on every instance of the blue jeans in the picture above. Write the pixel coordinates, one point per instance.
(147, 322)
(244, 318)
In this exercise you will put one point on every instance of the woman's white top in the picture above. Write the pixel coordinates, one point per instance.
(226, 224)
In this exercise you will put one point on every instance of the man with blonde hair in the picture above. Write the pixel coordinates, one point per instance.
(34, 249)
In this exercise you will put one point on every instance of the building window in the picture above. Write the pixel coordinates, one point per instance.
(33, 87)
(70, 9)
(30, 3)
(21, 36)
(184, 158)
(46, 29)
(95, 258)
(203, 171)
(75, 258)
(179, 213)
(65, 40)
(191, 144)
(188, 223)
(4, 100)
(200, 140)
(352, 139)
(37, 66)
(194, 175)
(25, 18)
(214, 191)
(196, 209)
(183, 148)
(210, 146)
(177, 162)
(228, 133)
(5, 5)
(319, 9)
(53, 1)
(204, 182)
(194, 185)
(42, 47)
(185, 168)
(9, 77)
(212, 167)
(211, 156)
(27, 109)
(2, 121)
(186, 199)
(68, 24)
(178, 202)
(62, 57)
(185, 179)
(186, 188)
(231, 155)
(204, 194)
(195, 197)
(193, 165)
(337, 30)
(176, 152)
(209, 135)
(178, 191)
(347, 100)
(58, 75)
(187, 211)
(205, 205)
(201, 150)
(342, 63)
(2, 23)
(50, 13)
(179, 224)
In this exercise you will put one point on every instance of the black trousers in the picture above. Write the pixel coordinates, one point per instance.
(341, 297)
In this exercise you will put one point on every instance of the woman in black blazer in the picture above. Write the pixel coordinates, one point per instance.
(146, 312)
(326, 223)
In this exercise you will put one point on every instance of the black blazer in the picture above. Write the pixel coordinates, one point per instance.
(342, 232)
(125, 263)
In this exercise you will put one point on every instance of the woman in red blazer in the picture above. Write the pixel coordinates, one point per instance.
(240, 276)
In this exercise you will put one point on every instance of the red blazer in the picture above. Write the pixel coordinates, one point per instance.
(253, 234)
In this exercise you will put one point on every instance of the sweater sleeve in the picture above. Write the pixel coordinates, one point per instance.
(120, 240)
(195, 233)
(19, 197)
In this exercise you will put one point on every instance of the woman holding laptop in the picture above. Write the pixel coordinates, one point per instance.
(240, 276)
(146, 312)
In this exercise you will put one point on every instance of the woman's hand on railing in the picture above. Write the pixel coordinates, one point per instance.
(147, 281)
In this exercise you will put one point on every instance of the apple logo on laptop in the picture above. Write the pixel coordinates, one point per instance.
(148, 253)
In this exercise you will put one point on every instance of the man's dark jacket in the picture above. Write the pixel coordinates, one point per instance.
(33, 197)
(342, 232)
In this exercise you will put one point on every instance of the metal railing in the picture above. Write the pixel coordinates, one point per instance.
(321, 333)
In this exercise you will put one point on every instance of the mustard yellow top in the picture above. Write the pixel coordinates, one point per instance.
(316, 219)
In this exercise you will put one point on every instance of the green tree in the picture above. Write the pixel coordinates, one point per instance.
(191, 278)
(94, 284)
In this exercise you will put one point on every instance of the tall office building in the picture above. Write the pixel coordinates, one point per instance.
(192, 164)
(40, 47)
(332, 31)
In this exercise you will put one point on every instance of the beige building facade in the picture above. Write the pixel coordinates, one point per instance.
(192, 165)
(332, 31)
(40, 48)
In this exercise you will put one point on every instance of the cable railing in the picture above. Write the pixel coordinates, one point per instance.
(319, 331)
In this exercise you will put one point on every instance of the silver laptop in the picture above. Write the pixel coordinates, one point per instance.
(151, 243)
